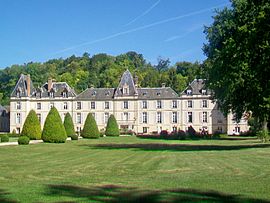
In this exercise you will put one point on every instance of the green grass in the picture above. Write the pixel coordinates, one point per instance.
(129, 169)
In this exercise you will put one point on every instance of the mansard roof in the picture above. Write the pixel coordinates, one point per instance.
(97, 94)
(126, 82)
(196, 87)
(157, 93)
(22, 87)
(57, 88)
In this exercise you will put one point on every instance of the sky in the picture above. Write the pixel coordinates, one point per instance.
(39, 30)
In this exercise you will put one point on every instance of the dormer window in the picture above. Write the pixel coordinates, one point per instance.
(107, 93)
(204, 92)
(189, 92)
(144, 93)
(64, 94)
(158, 93)
(51, 94)
(125, 89)
(94, 93)
(18, 93)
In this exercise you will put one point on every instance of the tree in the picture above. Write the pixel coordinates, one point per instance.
(69, 126)
(163, 64)
(90, 129)
(54, 130)
(31, 126)
(112, 127)
(238, 58)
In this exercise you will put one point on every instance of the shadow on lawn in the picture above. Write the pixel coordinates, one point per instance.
(113, 193)
(175, 147)
(3, 198)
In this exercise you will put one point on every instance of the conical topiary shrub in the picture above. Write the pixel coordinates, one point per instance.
(112, 127)
(54, 130)
(69, 126)
(31, 126)
(90, 129)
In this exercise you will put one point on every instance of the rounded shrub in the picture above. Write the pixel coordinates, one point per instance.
(163, 134)
(112, 127)
(69, 126)
(31, 126)
(23, 140)
(4, 138)
(90, 129)
(54, 130)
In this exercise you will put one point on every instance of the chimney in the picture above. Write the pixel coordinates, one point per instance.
(49, 84)
(28, 85)
(136, 80)
(163, 85)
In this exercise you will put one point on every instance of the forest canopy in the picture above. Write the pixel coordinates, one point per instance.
(101, 70)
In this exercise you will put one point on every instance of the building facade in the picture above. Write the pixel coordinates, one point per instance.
(142, 110)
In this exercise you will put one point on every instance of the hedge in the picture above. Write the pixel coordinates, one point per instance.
(23, 140)
(69, 126)
(31, 126)
(54, 130)
(112, 127)
(90, 129)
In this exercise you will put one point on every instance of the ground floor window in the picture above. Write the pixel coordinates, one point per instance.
(144, 129)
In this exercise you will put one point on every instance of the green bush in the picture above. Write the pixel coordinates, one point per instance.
(69, 126)
(54, 130)
(90, 129)
(112, 127)
(23, 140)
(263, 135)
(4, 138)
(74, 137)
(31, 126)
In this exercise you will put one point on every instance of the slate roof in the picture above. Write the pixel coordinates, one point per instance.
(157, 93)
(97, 94)
(57, 88)
(126, 81)
(21, 87)
(196, 86)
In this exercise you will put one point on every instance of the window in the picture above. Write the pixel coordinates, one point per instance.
(159, 117)
(125, 118)
(18, 93)
(125, 104)
(51, 94)
(39, 117)
(18, 105)
(204, 92)
(144, 129)
(174, 129)
(189, 92)
(18, 118)
(144, 117)
(174, 104)
(159, 104)
(174, 117)
(189, 104)
(204, 117)
(38, 106)
(204, 103)
(106, 117)
(65, 105)
(189, 118)
(126, 90)
(79, 118)
(144, 104)
(107, 105)
(64, 94)
(93, 105)
(51, 105)
(79, 105)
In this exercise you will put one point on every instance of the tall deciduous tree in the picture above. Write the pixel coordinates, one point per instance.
(238, 52)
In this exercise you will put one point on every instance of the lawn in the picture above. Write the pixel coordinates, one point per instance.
(130, 169)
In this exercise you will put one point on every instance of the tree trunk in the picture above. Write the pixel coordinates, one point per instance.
(264, 125)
